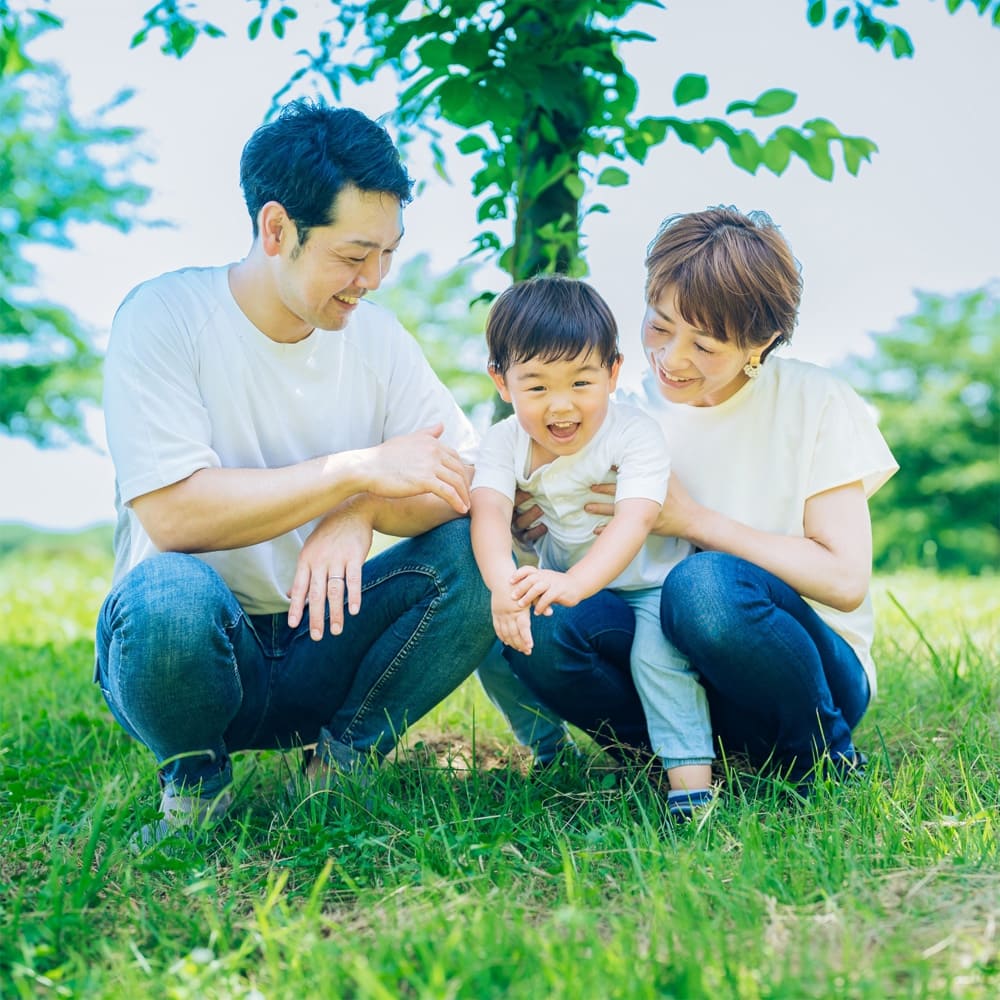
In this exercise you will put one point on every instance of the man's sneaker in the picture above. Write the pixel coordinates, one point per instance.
(839, 768)
(335, 768)
(850, 767)
(180, 813)
(685, 803)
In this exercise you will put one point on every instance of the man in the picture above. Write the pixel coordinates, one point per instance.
(264, 419)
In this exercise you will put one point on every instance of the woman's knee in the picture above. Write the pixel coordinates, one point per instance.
(707, 598)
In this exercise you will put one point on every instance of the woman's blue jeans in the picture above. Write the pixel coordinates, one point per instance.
(186, 671)
(782, 686)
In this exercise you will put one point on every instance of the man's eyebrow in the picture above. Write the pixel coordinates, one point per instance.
(372, 245)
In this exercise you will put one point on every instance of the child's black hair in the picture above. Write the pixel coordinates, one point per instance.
(552, 318)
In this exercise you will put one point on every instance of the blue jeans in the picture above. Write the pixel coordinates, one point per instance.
(782, 686)
(579, 670)
(672, 696)
(532, 724)
(187, 672)
(673, 700)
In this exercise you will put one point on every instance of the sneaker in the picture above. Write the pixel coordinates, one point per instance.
(850, 767)
(685, 803)
(339, 770)
(840, 768)
(182, 813)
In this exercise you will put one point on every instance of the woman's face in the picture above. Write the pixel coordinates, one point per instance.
(690, 366)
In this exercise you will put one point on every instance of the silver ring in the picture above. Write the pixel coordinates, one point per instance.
(335, 579)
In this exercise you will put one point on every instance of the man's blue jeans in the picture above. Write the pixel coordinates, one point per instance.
(186, 671)
(782, 686)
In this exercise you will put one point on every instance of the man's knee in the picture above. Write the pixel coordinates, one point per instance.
(170, 599)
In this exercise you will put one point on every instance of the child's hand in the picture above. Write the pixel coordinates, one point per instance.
(512, 623)
(543, 588)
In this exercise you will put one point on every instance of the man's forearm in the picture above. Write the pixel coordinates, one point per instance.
(215, 509)
(405, 518)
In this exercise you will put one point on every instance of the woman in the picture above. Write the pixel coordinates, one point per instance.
(773, 461)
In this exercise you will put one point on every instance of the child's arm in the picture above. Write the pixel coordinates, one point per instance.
(615, 547)
(491, 543)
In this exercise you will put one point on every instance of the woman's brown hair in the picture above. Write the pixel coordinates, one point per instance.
(733, 275)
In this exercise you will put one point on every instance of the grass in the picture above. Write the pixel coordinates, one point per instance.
(464, 876)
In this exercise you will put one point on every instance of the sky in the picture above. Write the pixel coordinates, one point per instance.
(924, 214)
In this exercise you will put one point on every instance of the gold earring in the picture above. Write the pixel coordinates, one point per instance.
(752, 368)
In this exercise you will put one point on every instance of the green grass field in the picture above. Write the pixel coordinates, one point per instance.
(463, 876)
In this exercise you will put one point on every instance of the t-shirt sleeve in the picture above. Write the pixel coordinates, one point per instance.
(643, 458)
(420, 399)
(495, 465)
(849, 445)
(158, 428)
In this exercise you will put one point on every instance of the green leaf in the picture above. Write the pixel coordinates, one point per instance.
(492, 208)
(470, 144)
(253, 28)
(817, 156)
(902, 46)
(816, 12)
(840, 18)
(574, 184)
(776, 156)
(613, 177)
(435, 54)
(857, 150)
(690, 87)
(774, 102)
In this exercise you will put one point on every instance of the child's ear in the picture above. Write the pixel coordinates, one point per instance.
(500, 383)
(616, 367)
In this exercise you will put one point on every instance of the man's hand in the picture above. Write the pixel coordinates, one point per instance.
(415, 464)
(329, 569)
(543, 588)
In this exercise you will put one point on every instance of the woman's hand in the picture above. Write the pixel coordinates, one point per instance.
(677, 516)
(526, 525)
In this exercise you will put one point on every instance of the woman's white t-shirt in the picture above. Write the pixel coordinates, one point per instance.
(789, 434)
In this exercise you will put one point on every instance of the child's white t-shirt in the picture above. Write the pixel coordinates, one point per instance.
(629, 440)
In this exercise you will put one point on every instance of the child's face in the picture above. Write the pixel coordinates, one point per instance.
(560, 404)
(690, 365)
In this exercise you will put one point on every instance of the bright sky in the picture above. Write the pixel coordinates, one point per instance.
(923, 215)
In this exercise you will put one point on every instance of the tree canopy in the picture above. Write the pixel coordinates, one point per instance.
(56, 172)
(545, 100)
(934, 381)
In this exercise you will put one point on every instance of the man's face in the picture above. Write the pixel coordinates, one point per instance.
(561, 404)
(322, 281)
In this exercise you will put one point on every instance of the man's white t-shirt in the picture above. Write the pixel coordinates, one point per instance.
(627, 439)
(794, 431)
(191, 383)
